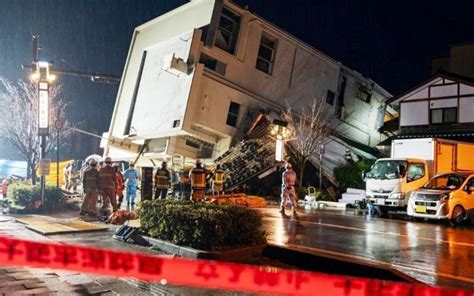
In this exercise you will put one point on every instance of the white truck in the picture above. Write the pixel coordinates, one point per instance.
(412, 163)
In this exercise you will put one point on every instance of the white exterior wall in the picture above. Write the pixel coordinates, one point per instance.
(200, 99)
(466, 109)
(414, 113)
(180, 21)
(162, 88)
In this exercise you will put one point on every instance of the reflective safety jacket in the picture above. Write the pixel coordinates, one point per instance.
(119, 182)
(288, 178)
(218, 177)
(107, 177)
(198, 178)
(162, 179)
(91, 179)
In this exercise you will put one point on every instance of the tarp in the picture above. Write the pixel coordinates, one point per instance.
(51, 178)
(12, 167)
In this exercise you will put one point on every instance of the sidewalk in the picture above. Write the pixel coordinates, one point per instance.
(33, 281)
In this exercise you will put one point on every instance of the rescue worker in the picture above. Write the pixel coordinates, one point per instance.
(107, 186)
(72, 177)
(119, 185)
(91, 185)
(198, 181)
(5, 184)
(162, 181)
(132, 177)
(288, 189)
(218, 180)
(66, 176)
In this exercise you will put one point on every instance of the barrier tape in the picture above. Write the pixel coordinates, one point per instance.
(200, 273)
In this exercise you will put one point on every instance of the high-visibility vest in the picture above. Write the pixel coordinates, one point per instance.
(219, 177)
(198, 178)
(162, 178)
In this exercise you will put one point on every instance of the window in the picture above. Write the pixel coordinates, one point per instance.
(364, 94)
(213, 64)
(233, 114)
(444, 115)
(176, 123)
(193, 144)
(266, 54)
(415, 172)
(228, 30)
(330, 96)
(340, 98)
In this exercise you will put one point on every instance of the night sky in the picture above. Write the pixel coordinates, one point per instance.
(391, 42)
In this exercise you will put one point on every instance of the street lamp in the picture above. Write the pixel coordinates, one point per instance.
(281, 132)
(43, 77)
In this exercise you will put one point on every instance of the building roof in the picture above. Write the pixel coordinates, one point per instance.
(439, 74)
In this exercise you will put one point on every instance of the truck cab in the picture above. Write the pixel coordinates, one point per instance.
(391, 180)
(448, 196)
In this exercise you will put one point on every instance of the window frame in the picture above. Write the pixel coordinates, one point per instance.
(232, 115)
(273, 51)
(233, 35)
(443, 118)
(333, 100)
(423, 168)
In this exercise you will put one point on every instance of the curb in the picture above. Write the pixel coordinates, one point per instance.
(231, 255)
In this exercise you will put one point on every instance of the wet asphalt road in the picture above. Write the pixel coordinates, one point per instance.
(433, 253)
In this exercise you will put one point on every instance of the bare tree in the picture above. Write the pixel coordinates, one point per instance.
(309, 129)
(19, 119)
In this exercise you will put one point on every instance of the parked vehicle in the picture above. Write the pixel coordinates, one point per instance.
(446, 196)
(413, 162)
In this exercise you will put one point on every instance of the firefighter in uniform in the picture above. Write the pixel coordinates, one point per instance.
(107, 186)
(198, 181)
(218, 180)
(162, 181)
(119, 185)
(288, 189)
(90, 181)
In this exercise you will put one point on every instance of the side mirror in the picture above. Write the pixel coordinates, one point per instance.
(401, 170)
(364, 175)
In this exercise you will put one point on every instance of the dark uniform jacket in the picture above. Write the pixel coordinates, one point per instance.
(91, 179)
(107, 177)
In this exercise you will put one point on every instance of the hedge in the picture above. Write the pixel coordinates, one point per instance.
(201, 225)
(350, 175)
(29, 196)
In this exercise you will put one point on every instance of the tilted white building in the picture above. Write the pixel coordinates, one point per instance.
(197, 76)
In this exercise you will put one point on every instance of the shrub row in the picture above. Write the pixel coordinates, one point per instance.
(29, 196)
(201, 225)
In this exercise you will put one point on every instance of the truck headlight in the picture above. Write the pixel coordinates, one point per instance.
(397, 195)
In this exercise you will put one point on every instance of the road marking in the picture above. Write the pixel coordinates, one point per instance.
(377, 232)
(375, 262)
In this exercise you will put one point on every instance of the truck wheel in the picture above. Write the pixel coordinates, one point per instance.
(458, 216)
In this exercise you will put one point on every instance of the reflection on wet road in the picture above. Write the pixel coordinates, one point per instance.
(432, 253)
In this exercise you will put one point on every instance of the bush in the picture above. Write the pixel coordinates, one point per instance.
(201, 225)
(29, 196)
(350, 175)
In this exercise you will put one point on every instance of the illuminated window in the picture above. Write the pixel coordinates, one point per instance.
(266, 54)
(228, 30)
(233, 114)
(444, 115)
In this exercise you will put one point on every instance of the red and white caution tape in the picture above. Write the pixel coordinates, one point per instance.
(200, 273)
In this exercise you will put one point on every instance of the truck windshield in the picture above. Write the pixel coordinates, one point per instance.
(447, 181)
(388, 169)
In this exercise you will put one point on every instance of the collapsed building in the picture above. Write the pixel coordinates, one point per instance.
(199, 78)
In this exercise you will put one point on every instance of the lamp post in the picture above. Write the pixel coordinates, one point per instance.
(43, 76)
(58, 124)
(321, 153)
(280, 131)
